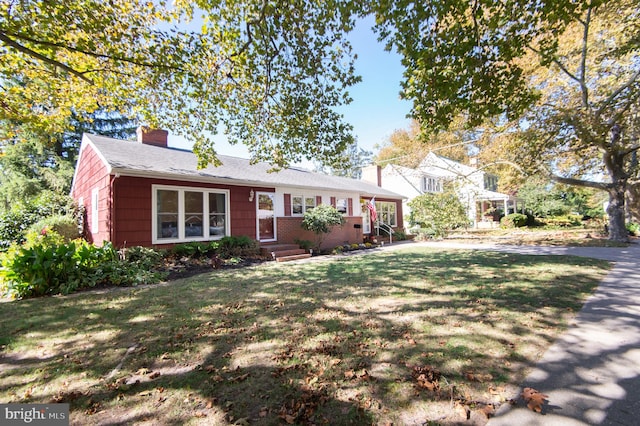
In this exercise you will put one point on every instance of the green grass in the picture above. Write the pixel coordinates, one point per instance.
(332, 341)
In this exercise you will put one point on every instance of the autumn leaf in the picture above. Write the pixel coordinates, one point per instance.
(534, 399)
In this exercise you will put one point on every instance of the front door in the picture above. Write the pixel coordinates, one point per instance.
(266, 216)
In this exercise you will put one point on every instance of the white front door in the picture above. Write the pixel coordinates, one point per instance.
(266, 221)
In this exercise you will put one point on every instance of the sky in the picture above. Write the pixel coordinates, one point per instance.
(376, 110)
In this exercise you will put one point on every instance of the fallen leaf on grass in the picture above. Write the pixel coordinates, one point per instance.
(534, 399)
(426, 377)
(239, 378)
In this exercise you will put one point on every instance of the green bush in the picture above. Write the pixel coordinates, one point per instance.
(423, 234)
(304, 244)
(15, 224)
(633, 228)
(64, 225)
(514, 220)
(143, 257)
(563, 221)
(46, 266)
(241, 246)
(399, 236)
(195, 249)
(320, 220)
(437, 213)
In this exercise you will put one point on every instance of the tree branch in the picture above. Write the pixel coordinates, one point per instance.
(580, 182)
(12, 43)
(583, 60)
(92, 54)
(558, 63)
(615, 94)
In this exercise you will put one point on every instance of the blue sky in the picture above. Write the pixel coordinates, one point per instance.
(376, 110)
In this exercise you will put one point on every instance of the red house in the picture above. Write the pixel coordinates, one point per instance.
(145, 193)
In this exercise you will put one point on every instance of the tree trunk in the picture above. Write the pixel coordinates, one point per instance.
(614, 161)
(616, 213)
(633, 202)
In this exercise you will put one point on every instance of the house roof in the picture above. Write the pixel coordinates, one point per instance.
(443, 166)
(133, 158)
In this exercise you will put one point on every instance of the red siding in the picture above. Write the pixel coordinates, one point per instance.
(133, 208)
(92, 174)
(287, 204)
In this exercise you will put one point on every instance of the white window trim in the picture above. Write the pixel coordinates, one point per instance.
(95, 211)
(181, 214)
(275, 216)
(380, 209)
(304, 203)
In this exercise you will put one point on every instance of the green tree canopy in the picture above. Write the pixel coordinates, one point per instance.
(272, 75)
(266, 74)
(438, 213)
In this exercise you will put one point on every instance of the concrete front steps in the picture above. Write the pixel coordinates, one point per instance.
(284, 252)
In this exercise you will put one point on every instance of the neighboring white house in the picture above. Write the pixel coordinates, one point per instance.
(475, 187)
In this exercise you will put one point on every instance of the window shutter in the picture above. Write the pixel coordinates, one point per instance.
(287, 204)
(349, 206)
(333, 201)
(318, 200)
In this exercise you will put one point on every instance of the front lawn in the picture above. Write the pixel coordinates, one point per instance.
(405, 336)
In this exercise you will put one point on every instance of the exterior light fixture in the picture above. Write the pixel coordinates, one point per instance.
(251, 194)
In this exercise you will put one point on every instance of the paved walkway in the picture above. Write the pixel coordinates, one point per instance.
(591, 374)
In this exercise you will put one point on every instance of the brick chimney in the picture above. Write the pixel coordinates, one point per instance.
(156, 137)
(372, 174)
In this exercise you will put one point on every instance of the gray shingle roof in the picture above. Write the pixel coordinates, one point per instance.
(134, 158)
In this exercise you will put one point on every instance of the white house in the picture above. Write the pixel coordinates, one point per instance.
(475, 187)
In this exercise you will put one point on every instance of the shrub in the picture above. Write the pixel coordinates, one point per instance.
(143, 257)
(633, 228)
(194, 249)
(399, 236)
(46, 266)
(241, 246)
(320, 220)
(437, 213)
(64, 225)
(304, 244)
(563, 221)
(15, 224)
(423, 234)
(514, 220)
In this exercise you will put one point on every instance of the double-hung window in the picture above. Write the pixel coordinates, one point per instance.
(189, 214)
(301, 204)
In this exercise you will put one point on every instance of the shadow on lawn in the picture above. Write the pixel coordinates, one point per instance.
(325, 342)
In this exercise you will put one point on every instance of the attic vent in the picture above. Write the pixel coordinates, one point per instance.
(148, 136)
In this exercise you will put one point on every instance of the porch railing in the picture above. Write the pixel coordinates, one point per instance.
(387, 228)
